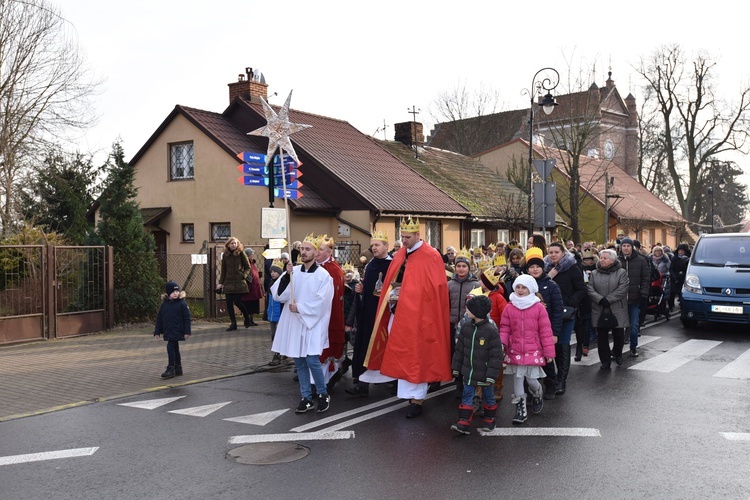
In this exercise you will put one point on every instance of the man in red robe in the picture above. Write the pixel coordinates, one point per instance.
(332, 357)
(411, 340)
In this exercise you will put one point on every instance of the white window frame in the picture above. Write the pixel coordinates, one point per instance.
(477, 237)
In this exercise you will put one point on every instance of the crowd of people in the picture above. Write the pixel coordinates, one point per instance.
(417, 318)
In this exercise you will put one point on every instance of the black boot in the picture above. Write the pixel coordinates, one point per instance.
(248, 321)
(488, 422)
(563, 364)
(178, 370)
(232, 327)
(520, 402)
(169, 372)
(465, 413)
(579, 351)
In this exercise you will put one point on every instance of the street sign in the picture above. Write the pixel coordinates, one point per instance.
(544, 204)
(277, 243)
(544, 167)
(254, 180)
(272, 253)
(247, 168)
(262, 160)
(292, 194)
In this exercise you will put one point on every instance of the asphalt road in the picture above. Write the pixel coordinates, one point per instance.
(672, 423)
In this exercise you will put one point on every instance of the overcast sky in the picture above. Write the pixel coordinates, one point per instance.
(370, 62)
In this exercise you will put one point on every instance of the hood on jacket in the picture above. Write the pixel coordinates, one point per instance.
(611, 269)
(568, 260)
(182, 295)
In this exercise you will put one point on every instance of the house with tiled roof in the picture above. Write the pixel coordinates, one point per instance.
(611, 200)
(187, 179)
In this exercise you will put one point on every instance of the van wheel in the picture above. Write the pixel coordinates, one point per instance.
(689, 323)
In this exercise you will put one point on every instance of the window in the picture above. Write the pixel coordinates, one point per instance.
(220, 231)
(503, 235)
(477, 238)
(181, 161)
(188, 233)
(523, 238)
(432, 234)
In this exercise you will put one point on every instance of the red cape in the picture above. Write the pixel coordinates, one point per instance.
(417, 348)
(336, 335)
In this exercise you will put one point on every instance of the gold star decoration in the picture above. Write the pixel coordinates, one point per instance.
(278, 129)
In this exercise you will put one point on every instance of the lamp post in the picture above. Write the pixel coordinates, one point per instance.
(547, 83)
(722, 185)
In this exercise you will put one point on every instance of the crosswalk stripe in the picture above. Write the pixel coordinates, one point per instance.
(301, 436)
(739, 368)
(48, 455)
(677, 356)
(736, 436)
(593, 357)
(543, 431)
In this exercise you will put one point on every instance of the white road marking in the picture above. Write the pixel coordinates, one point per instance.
(736, 436)
(593, 357)
(301, 436)
(48, 455)
(200, 411)
(384, 411)
(339, 416)
(543, 431)
(739, 368)
(151, 403)
(258, 418)
(677, 356)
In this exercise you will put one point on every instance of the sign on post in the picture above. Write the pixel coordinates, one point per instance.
(544, 167)
(544, 204)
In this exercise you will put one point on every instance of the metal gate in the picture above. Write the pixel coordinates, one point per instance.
(54, 292)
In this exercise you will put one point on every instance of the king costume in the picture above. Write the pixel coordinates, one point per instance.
(411, 340)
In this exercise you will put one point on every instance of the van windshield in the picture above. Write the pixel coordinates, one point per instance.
(720, 252)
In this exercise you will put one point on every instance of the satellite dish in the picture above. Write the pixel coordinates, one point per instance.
(262, 78)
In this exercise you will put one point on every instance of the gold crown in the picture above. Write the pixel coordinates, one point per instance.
(380, 236)
(314, 241)
(483, 263)
(491, 277)
(410, 225)
(348, 268)
(464, 253)
(326, 240)
(492, 247)
(277, 263)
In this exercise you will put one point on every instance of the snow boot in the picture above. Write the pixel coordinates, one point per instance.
(177, 370)
(465, 414)
(488, 422)
(169, 372)
(521, 415)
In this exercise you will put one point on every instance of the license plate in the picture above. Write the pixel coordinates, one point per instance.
(727, 309)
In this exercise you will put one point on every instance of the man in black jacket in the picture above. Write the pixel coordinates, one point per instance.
(639, 277)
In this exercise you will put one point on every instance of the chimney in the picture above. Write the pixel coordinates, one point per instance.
(250, 85)
(409, 132)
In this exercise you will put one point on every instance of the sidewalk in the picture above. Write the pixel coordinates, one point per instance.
(45, 376)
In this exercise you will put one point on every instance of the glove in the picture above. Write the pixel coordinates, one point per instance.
(604, 302)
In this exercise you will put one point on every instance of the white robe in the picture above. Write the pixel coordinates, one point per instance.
(304, 333)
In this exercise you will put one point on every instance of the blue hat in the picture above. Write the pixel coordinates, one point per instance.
(170, 287)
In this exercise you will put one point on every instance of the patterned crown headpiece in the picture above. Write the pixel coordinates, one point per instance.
(380, 236)
(491, 277)
(410, 225)
(483, 264)
(464, 252)
(313, 240)
(277, 263)
(492, 247)
(348, 268)
(326, 240)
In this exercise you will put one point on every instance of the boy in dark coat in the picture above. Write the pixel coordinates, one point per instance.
(478, 358)
(173, 321)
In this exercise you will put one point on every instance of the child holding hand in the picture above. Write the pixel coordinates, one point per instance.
(526, 333)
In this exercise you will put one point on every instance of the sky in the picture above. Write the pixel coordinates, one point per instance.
(369, 63)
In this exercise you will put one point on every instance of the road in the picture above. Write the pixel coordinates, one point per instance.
(672, 423)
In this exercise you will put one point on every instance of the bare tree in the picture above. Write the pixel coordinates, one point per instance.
(44, 91)
(695, 126)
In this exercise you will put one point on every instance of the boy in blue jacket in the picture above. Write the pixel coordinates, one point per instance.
(173, 321)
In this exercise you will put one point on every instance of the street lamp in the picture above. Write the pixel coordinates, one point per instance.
(547, 83)
(722, 185)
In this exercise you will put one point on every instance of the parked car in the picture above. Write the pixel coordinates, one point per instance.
(717, 282)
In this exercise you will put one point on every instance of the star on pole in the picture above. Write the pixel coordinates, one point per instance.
(278, 129)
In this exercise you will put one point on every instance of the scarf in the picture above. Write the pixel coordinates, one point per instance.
(523, 302)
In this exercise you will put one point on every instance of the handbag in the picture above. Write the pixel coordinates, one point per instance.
(569, 312)
(607, 319)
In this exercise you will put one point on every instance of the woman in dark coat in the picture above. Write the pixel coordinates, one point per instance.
(608, 290)
(677, 270)
(251, 299)
(234, 268)
(562, 267)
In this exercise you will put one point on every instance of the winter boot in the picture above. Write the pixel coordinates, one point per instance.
(563, 364)
(232, 327)
(488, 422)
(169, 372)
(520, 402)
(177, 370)
(579, 351)
(465, 414)
(537, 401)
